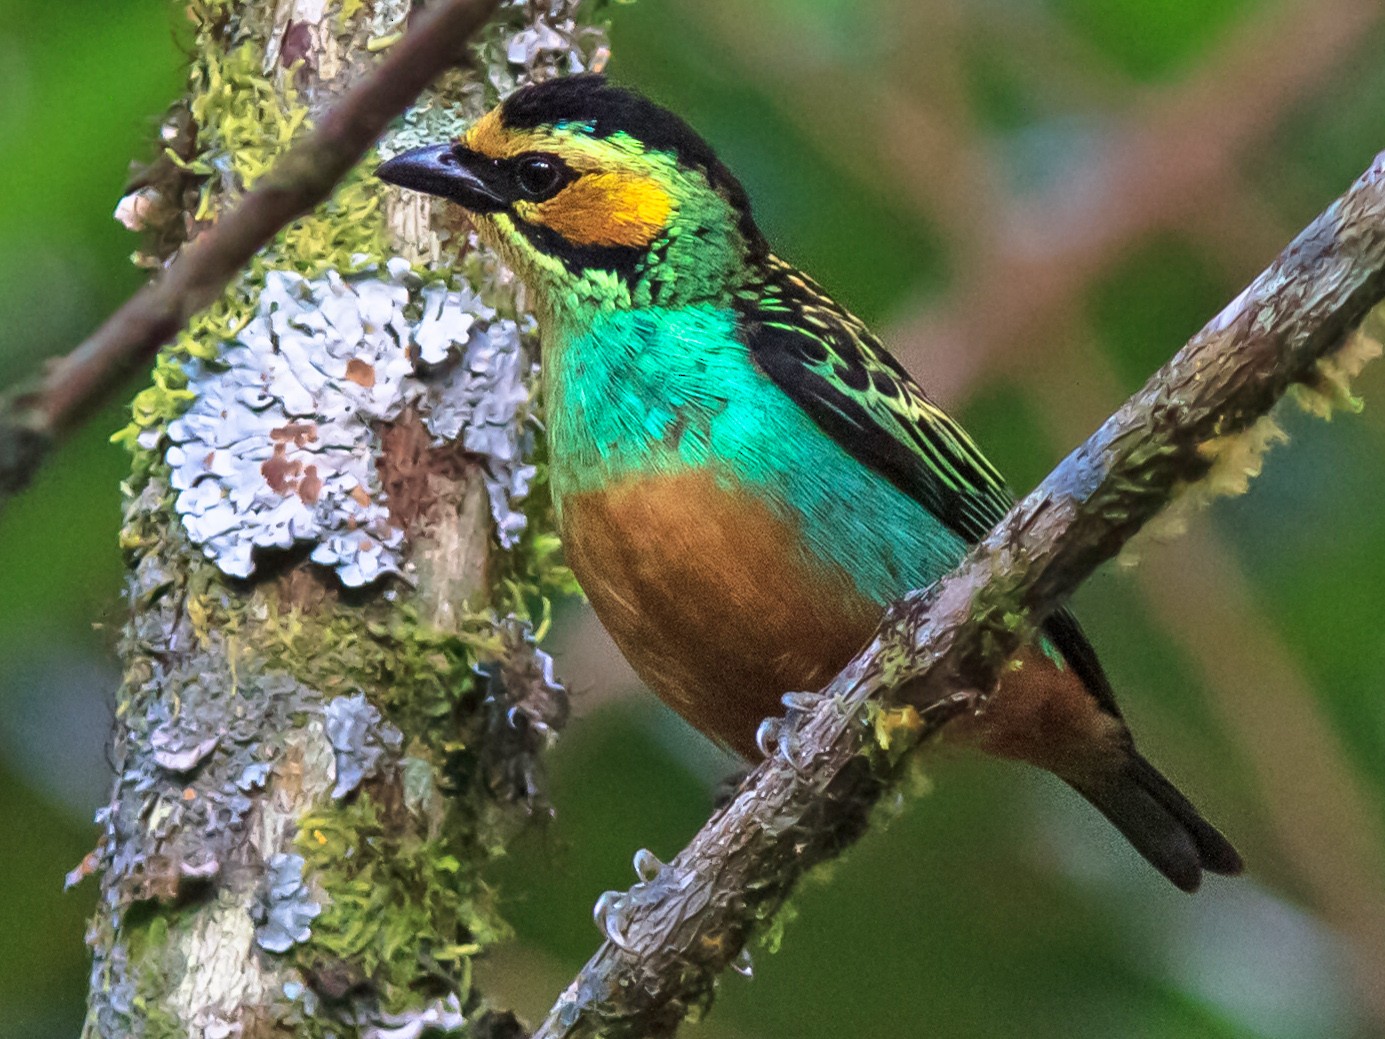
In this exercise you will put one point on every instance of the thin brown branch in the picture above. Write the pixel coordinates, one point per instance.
(74, 385)
(671, 934)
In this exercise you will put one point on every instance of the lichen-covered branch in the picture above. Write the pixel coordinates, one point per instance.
(305, 175)
(1197, 428)
(334, 705)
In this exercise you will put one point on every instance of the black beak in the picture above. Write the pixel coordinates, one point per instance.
(439, 169)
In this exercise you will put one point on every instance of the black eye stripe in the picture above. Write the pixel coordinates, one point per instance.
(528, 177)
(622, 260)
(472, 160)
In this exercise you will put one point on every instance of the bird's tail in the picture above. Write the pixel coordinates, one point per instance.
(1159, 821)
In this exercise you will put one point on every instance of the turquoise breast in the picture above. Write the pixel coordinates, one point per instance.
(659, 392)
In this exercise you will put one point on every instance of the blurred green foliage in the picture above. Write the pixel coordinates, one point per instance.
(997, 906)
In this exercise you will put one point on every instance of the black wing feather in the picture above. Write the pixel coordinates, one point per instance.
(833, 368)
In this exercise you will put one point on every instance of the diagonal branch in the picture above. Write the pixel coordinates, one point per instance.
(74, 385)
(1323, 821)
(839, 751)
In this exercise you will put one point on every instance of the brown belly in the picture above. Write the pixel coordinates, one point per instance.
(710, 598)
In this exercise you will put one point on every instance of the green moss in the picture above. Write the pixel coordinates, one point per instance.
(406, 912)
(771, 939)
(246, 123)
(146, 931)
(156, 1020)
(896, 729)
(418, 677)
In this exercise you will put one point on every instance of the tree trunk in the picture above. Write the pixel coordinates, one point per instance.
(333, 706)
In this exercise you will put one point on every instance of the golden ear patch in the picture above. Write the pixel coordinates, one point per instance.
(604, 209)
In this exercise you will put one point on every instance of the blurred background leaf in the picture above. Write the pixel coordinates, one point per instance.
(968, 175)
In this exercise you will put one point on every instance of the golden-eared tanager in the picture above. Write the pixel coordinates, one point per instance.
(743, 476)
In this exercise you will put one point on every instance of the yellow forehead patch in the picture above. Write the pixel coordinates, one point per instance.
(490, 136)
(487, 135)
(614, 208)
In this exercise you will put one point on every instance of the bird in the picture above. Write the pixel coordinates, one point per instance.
(743, 477)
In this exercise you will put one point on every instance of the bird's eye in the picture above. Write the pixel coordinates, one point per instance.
(539, 177)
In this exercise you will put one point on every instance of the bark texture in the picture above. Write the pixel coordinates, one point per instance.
(333, 705)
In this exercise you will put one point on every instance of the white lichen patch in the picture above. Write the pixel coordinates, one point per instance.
(360, 738)
(286, 908)
(440, 1018)
(279, 446)
(429, 122)
(133, 210)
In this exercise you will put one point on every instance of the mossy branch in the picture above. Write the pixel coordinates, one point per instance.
(834, 755)
(72, 386)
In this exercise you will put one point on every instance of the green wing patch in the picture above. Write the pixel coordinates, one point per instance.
(840, 374)
(831, 365)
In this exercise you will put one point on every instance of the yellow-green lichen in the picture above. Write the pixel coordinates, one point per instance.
(417, 676)
(895, 728)
(1329, 387)
(245, 120)
(771, 939)
(1233, 461)
(348, 10)
(1236, 459)
(1000, 627)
